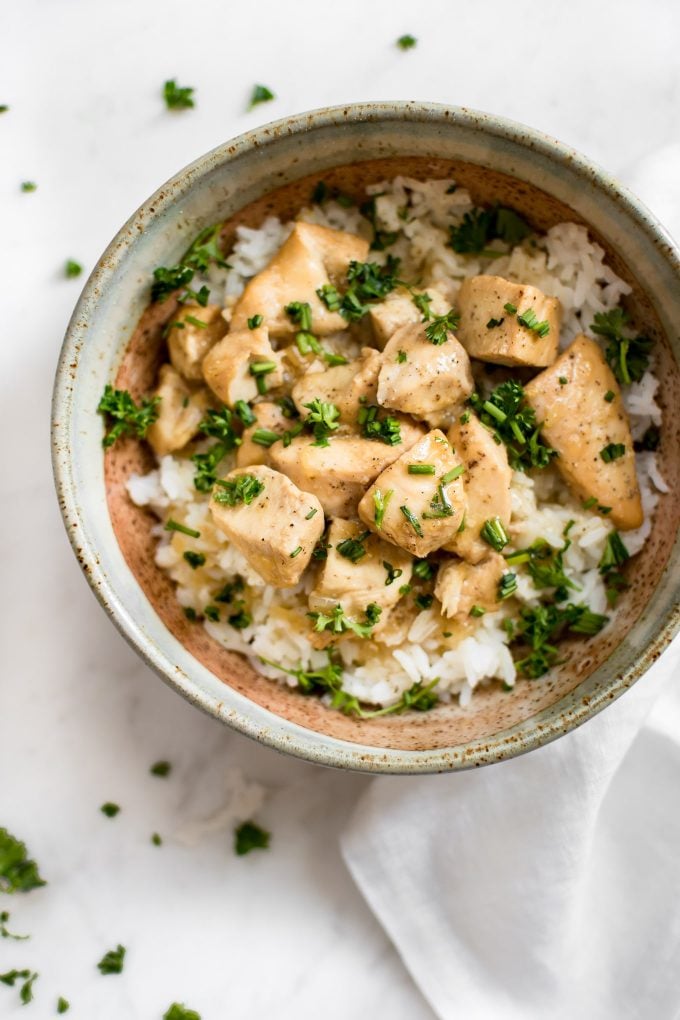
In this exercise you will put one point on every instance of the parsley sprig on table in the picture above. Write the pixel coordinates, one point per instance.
(177, 1011)
(514, 423)
(249, 836)
(628, 357)
(113, 961)
(260, 94)
(177, 97)
(27, 977)
(125, 416)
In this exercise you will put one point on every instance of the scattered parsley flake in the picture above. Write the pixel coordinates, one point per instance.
(5, 933)
(612, 451)
(162, 769)
(255, 321)
(177, 1011)
(243, 489)
(339, 623)
(493, 323)
(260, 94)
(514, 423)
(63, 1005)
(353, 549)
(386, 429)
(423, 602)
(250, 836)
(72, 269)
(109, 809)
(28, 186)
(628, 357)
(406, 42)
(18, 873)
(156, 839)
(650, 439)
(112, 962)
(424, 570)
(609, 396)
(380, 503)
(171, 525)
(440, 326)
(494, 534)
(128, 418)
(481, 226)
(477, 611)
(177, 97)
(402, 357)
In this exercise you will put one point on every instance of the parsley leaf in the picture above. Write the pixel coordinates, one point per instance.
(201, 253)
(243, 489)
(177, 1011)
(628, 357)
(72, 269)
(514, 424)
(5, 933)
(260, 94)
(540, 627)
(440, 326)
(322, 420)
(406, 42)
(177, 97)
(161, 769)
(353, 549)
(385, 430)
(612, 451)
(128, 418)
(112, 962)
(18, 873)
(109, 809)
(250, 836)
(481, 226)
(27, 186)
(367, 283)
(338, 623)
(63, 1005)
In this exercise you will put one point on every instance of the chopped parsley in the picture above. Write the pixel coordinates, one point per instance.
(392, 572)
(126, 416)
(514, 424)
(412, 520)
(212, 613)
(562, 380)
(406, 42)
(353, 549)
(380, 503)
(162, 769)
(171, 525)
(628, 357)
(402, 357)
(609, 396)
(5, 933)
(650, 440)
(112, 962)
(260, 94)
(255, 321)
(421, 469)
(296, 552)
(243, 489)
(250, 836)
(612, 451)
(424, 570)
(156, 839)
(63, 1005)
(218, 425)
(529, 320)
(18, 873)
(477, 611)
(494, 534)
(339, 623)
(323, 193)
(243, 411)
(386, 429)
(367, 283)
(439, 327)
(201, 253)
(177, 97)
(330, 296)
(422, 303)
(615, 553)
(241, 619)
(190, 613)
(4, 108)
(26, 989)
(179, 1012)
(423, 602)
(194, 559)
(539, 629)
(322, 420)
(27, 186)
(72, 269)
(109, 809)
(230, 589)
(481, 226)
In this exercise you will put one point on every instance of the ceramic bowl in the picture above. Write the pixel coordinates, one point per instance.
(114, 337)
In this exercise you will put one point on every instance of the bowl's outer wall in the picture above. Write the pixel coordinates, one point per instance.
(215, 188)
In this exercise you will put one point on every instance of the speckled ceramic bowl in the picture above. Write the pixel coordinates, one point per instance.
(113, 336)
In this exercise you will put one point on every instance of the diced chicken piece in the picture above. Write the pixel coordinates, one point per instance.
(424, 379)
(490, 332)
(180, 412)
(355, 583)
(422, 511)
(340, 473)
(189, 343)
(460, 586)
(227, 366)
(269, 417)
(311, 258)
(399, 310)
(580, 423)
(276, 531)
(342, 385)
(487, 485)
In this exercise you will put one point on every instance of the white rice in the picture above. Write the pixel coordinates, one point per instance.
(563, 263)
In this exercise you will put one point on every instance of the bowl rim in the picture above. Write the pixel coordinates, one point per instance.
(281, 734)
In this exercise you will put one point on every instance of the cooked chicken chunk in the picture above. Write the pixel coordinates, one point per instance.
(311, 258)
(340, 473)
(491, 332)
(271, 418)
(460, 586)
(188, 343)
(354, 579)
(227, 367)
(487, 485)
(581, 425)
(399, 310)
(422, 379)
(179, 413)
(273, 526)
(423, 509)
(342, 385)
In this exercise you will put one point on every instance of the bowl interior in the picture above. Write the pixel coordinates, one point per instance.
(494, 718)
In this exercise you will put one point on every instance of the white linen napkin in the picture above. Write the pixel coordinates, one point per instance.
(547, 886)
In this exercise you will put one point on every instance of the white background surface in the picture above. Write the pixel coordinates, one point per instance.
(285, 933)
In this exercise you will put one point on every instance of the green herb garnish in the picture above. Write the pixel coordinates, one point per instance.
(250, 836)
(353, 549)
(422, 303)
(323, 418)
(72, 269)
(540, 628)
(162, 769)
(412, 520)
(339, 623)
(493, 532)
(386, 429)
(109, 809)
(612, 451)
(507, 586)
(423, 602)
(18, 873)
(380, 503)
(255, 321)
(27, 186)
(63, 1005)
(194, 559)
(481, 226)
(514, 423)
(177, 97)
(439, 327)
(650, 440)
(265, 437)
(477, 611)
(243, 489)
(529, 320)
(260, 94)
(402, 357)
(171, 525)
(128, 418)
(421, 469)
(406, 42)
(243, 411)
(367, 283)
(179, 1012)
(112, 962)
(296, 552)
(628, 357)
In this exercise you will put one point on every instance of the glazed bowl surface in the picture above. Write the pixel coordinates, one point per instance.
(115, 336)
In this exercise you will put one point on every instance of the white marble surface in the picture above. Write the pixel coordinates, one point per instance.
(81, 719)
